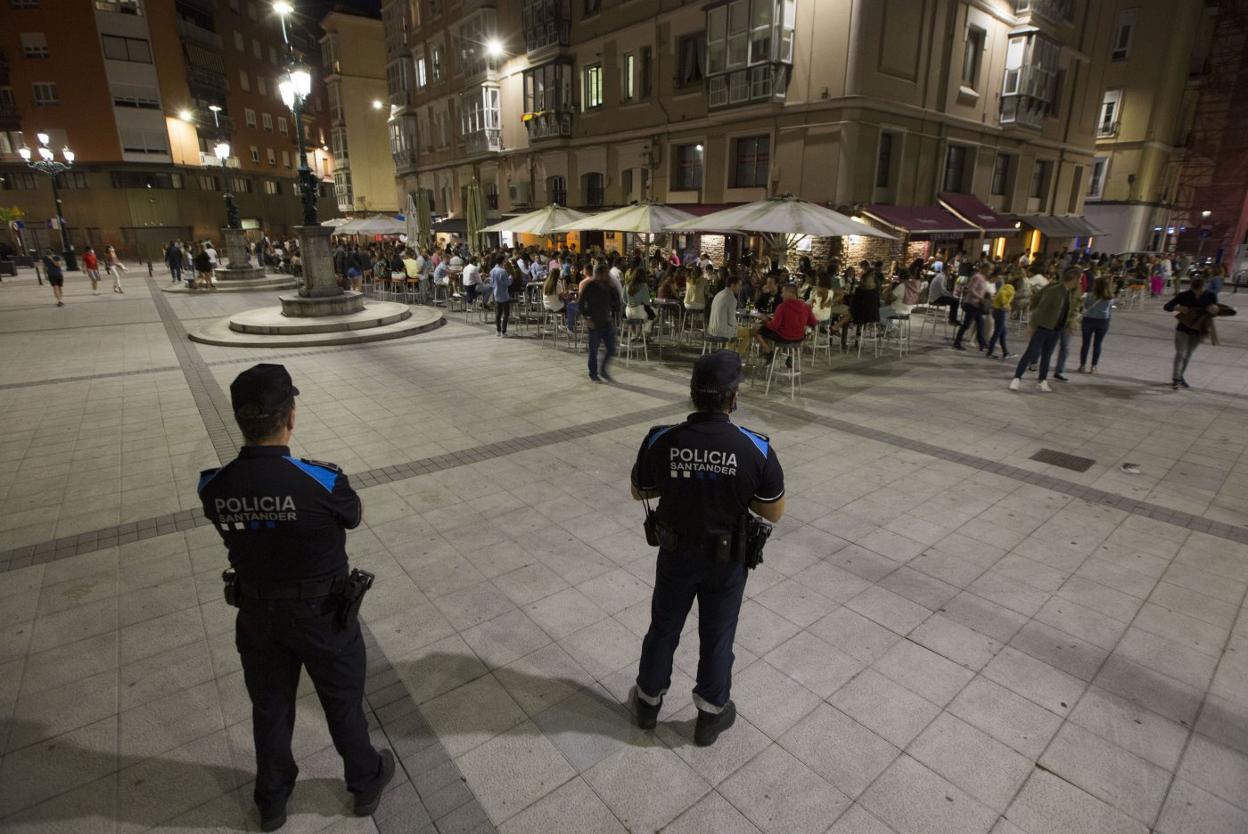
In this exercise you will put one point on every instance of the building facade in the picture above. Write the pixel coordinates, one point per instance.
(128, 85)
(1151, 82)
(847, 102)
(354, 60)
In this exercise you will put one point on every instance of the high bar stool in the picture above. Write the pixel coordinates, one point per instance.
(634, 336)
(789, 356)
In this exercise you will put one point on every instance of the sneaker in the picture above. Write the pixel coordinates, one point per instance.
(1008, 355)
(606, 377)
(597, 379)
(1092, 370)
(1015, 384)
(1175, 385)
(1183, 383)
(647, 715)
(1044, 386)
(990, 355)
(711, 724)
(367, 802)
(1060, 378)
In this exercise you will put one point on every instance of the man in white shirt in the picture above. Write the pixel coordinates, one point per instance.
(472, 279)
(211, 252)
(722, 323)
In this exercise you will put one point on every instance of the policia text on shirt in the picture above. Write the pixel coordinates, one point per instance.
(284, 523)
(708, 475)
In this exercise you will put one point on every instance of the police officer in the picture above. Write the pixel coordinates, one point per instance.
(706, 472)
(284, 522)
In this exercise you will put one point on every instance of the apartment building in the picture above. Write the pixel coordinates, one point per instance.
(128, 85)
(852, 103)
(354, 62)
(1150, 86)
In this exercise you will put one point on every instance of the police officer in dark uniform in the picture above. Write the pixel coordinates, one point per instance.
(708, 475)
(284, 522)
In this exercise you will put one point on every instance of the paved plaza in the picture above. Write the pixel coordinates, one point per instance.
(947, 637)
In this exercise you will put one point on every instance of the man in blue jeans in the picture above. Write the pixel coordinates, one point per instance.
(600, 303)
(1050, 313)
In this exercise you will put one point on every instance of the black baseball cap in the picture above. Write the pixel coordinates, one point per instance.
(265, 387)
(717, 372)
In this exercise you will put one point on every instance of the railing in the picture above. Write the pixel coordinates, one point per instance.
(484, 140)
(1023, 110)
(194, 32)
(208, 160)
(209, 82)
(549, 125)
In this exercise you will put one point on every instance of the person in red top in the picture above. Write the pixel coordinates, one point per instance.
(91, 264)
(787, 324)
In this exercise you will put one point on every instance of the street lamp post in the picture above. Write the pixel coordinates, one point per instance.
(222, 152)
(48, 164)
(295, 87)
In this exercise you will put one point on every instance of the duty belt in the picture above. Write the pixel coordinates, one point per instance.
(291, 590)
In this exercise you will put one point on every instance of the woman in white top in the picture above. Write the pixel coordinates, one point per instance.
(554, 291)
(695, 290)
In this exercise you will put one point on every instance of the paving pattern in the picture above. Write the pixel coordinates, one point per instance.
(946, 636)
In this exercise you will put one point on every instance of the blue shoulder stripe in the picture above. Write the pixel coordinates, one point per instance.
(758, 440)
(323, 476)
(655, 434)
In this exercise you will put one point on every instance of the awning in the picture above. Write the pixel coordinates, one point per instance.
(920, 221)
(458, 225)
(968, 207)
(1051, 225)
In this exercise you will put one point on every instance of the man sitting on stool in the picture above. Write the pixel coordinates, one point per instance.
(787, 324)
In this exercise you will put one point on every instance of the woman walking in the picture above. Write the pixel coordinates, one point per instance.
(1197, 309)
(1002, 302)
(114, 266)
(53, 269)
(973, 296)
(1096, 308)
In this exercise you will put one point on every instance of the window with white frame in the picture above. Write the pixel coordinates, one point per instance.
(435, 62)
(1107, 116)
(249, 116)
(422, 77)
(244, 82)
(1096, 180)
(338, 141)
(281, 125)
(285, 159)
(262, 86)
(1029, 88)
(469, 42)
(34, 45)
(266, 121)
(255, 154)
(329, 54)
(44, 93)
(628, 77)
(144, 140)
(139, 96)
(270, 156)
(749, 50)
(272, 187)
(1123, 32)
(591, 87)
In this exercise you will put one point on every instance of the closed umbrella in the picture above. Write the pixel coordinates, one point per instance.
(424, 218)
(474, 216)
(640, 218)
(544, 221)
(410, 219)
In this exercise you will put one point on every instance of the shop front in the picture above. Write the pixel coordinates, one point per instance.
(997, 230)
(1048, 233)
(924, 232)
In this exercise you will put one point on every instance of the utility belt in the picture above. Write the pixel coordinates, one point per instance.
(743, 546)
(348, 590)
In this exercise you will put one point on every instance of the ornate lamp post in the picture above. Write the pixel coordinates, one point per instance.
(295, 87)
(48, 164)
(222, 151)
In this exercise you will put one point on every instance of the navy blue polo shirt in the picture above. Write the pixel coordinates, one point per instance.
(283, 519)
(706, 471)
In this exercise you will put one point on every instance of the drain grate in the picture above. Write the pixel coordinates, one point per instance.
(1055, 458)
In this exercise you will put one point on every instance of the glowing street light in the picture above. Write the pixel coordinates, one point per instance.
(494, 48)
(49, 165)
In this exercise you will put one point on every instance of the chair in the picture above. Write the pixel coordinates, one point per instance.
(821, 339)
(788, 355)
(441, 294)
(869, 332)
(713, 343)
(411, 289)
(552, 323)
(898, 333)
(693, 322)
(633, 335)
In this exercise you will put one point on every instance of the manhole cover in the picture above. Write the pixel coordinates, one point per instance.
(1055, 458)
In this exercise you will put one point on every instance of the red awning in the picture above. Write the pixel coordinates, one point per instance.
(920, 221)
(973, 211)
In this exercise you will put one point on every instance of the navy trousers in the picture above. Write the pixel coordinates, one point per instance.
(718, 587)
(275, 640)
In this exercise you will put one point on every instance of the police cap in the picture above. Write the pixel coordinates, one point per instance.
(717, 372)
(264, 387)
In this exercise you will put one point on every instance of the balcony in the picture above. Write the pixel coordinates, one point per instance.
(208, 160)
(191, 31)
(205, 83)
(486, 140)
(549, 124)
(1017, 109)
(1056, 11)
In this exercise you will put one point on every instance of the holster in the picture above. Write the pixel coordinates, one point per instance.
(352, 596)
(751, 538)
(233, 593)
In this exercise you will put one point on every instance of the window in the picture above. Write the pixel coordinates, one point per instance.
(135, 95)
(593, 187)
(207, 182)
(1122, 35)
(72, 180)
(884, 160)
(1107, 120)
(591, 87)
(256, 52)
(421, 78)
(338, 142)
(285, 159)
(1040, 178)
(34, 45)
(1029, 88)
(626, 184)
(751, 159)
(281, 125)
(690, 59)
(955, 168)
(44, 93)
(647, 64)
(1076, 190)
(270, 156)
(557, 190)
(240, 185)
(266, 122)
(687, 167)
(491, 195)
(435, 61)
(23, 4)
(249, 116)
(136, 50)
(1096, 182)
(434, 7)
(628, 77)
(1000, 173)
(749, 50)
(272, 187)
(244, 82)
(240, 43)
(255, 154)
(972, 57)
(130, 7)
(17, 181)
(262, 86)
(6, 98)
(591, 8)
(251, 13)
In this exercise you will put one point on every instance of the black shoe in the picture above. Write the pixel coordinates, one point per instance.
(274, 822)
(711, 724)
(1060, 378)
(647, 715)
(957, 346)
(1007, 356)
(367, 802)
(1183, 383)
(607, 378)
(1175, 385)
(788, 361)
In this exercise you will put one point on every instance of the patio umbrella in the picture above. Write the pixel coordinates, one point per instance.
(474, 215)
(644, 217)
(424, 218)
(335, 222)
(379, 224)
(544, 221)
(784, 215)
